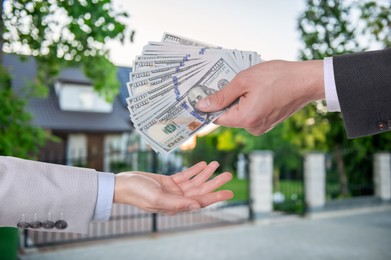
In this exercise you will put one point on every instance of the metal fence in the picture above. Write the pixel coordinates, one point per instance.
(127, 220)
(288, 195)
(288, 184)
(349, 180)
(349, 175)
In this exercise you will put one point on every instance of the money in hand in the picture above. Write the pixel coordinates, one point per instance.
(167, 81)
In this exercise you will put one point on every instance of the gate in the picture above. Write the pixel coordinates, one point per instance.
(288, 183)
(127, 220)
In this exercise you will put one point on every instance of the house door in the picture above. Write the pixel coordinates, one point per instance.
(54, 151)
(95, 150)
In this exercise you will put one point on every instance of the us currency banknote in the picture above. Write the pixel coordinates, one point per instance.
(167, 81)
(176, 123)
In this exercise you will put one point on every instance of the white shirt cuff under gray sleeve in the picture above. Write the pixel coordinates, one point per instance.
(104, 201)
(330, 89)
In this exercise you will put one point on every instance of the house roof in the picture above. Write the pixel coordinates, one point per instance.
(47, 112)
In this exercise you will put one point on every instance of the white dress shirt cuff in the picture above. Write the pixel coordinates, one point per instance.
(330, 89)
(104, 201)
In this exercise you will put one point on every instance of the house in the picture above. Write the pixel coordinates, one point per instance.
(86, 126)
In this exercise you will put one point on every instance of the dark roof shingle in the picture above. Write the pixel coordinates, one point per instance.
(47, 112)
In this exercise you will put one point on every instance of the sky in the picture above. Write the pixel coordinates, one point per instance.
(268, 27)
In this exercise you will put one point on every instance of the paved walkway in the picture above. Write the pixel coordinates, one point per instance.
(351, 234)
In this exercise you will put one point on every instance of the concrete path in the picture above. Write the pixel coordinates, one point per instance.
(351, 234)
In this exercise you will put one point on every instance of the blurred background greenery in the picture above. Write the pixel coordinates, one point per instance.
(327, 28)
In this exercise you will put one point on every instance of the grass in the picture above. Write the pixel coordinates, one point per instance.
(238, 187)
(289, 188)
(292, 190)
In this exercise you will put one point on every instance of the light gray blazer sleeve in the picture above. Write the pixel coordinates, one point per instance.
(38, 195)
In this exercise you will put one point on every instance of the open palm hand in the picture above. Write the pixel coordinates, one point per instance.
(187, 190)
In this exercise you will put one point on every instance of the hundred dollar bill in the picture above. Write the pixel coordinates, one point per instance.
(145, 100)
(168, 80)
(153, 105)
(169, 92)
(144, 83)
(219, 72)
(178, 122)
(201, 53)
(145, 74)
(169, 49)
(139, 65)
(158, 57)
(172, 38)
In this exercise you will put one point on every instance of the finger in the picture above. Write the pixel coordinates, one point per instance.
(230, 118)
(223, 98)
(210, 198)
(200, 178)
(217, 182)
(206, 173)
(257, 131)
(170, 186)
(189, 173)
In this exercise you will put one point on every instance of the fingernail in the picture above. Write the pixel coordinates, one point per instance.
(203, 103)
(214, 163)
(194, 207)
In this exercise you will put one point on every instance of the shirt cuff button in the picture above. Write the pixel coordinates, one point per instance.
(381, 125)
(48, 224)
(61, 224)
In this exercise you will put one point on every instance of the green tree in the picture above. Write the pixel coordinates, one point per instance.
(225, 144)
(329, 28)
(57, 34)
(18, 136)
(65, 33)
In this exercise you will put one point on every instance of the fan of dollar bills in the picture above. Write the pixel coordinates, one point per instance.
(167, 81)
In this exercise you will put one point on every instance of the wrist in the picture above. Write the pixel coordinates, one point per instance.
(124, 185)
(116, 196)
(313, 79)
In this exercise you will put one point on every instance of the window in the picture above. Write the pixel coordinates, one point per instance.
(82, 98)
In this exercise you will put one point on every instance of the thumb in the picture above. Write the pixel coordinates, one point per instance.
(221, 99)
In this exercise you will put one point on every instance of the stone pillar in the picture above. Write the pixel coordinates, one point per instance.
(241, 167)
(382, 175)
(315, 180)
(261, 186)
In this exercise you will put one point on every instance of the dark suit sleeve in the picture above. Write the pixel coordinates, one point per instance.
(363, 82)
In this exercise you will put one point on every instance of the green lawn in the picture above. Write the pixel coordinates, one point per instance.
(239, 188)
(289, 188)
(292, 190)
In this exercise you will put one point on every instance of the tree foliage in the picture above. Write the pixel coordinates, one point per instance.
(58, 34)
(327, 28)
(330, 28)
(65, 33)
(334, 27)
(18, 136)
